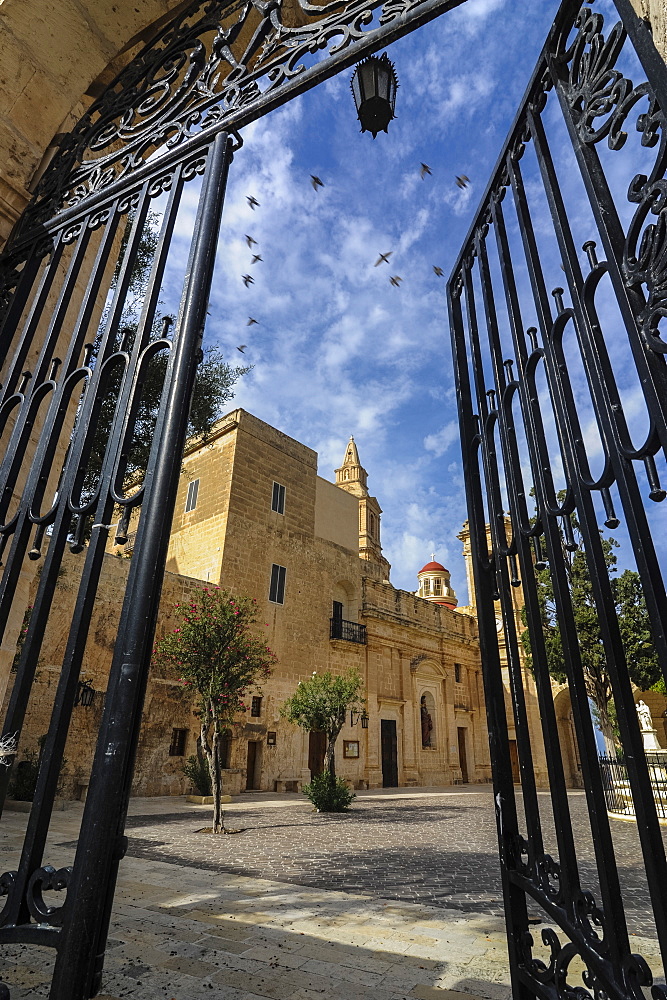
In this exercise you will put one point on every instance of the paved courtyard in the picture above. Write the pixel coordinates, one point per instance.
(397, 900)
(434, 846)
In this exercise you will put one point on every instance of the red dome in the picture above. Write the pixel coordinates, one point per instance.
(430, 567)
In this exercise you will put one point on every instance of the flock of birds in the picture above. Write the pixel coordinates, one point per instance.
(461, 181)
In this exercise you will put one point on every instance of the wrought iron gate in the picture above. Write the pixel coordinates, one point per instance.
(547, 438)
(71, 372)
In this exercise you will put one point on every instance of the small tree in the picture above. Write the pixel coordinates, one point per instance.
(216, 653)
(320, 705)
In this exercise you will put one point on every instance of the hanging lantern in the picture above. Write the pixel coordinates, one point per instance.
(374, 86)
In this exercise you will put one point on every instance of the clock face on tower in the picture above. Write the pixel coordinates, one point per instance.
(499, 623)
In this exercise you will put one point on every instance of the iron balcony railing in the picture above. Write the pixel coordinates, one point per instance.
(616, 784)
(350, 631)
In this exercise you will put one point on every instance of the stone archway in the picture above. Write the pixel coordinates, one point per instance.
(70, 58)
(566, 734)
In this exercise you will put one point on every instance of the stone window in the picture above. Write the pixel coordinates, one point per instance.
(457, 673)
(277, 588)
(191, 500)
(426, 586)
(256, 706)
(179, 738)
(437, 588)
(278, 499)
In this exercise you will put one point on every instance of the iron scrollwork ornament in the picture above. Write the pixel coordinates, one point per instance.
(43, 880)
(596, 90)
(215, 61)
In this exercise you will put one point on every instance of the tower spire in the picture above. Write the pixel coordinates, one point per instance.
(352, 477)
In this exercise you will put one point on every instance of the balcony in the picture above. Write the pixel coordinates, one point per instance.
(349, 631)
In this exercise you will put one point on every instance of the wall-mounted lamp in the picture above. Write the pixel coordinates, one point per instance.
(85, 694)
(360, 717)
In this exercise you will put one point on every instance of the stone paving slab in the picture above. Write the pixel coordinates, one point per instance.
(188, 925)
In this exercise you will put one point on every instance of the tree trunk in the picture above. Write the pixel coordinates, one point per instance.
(212, 751)
(216, 781)
(329, 753)
(329, 759)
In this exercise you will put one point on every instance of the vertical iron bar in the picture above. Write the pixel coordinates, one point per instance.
(101, 843)
(612, 902)
(569, 875)
(500, 545)
(516, 913)
(648, 825)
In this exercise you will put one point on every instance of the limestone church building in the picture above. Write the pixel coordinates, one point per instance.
(254, 516)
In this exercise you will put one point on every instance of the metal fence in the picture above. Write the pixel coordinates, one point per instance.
(616, 784)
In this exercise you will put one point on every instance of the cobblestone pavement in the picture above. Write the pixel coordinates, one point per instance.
(424, 846)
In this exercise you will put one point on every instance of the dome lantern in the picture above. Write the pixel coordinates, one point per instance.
(435, 585)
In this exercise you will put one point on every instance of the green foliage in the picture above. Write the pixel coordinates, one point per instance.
(219, 656)
(214, 385)
(196, 769)
(329, 794)
(321, 703)
(633, 621)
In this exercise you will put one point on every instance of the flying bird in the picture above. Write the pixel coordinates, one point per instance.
(383, 258)
(252, 201)
(425, 170)
(248, 280)
(438, 270)
(251, 320)
(249, 240)
(316, 182)
(462, 181)
(396, 279)
(255, 258)
(242, 348)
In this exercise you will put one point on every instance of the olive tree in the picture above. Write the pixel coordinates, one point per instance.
(218, 654)
(320, 705)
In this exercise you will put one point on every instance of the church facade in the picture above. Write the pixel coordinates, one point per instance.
(253, 516)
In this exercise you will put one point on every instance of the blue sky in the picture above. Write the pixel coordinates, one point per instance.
(338, 350)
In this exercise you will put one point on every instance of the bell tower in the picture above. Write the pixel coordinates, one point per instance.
(353, 478)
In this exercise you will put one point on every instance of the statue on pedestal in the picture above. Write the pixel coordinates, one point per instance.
(427, 723)
(649, 733)
(645, 718)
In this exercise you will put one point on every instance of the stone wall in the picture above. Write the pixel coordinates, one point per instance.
(655, 12)
(168, 704)
(56, 58)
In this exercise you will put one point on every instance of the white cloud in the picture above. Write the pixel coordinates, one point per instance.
(439, 442)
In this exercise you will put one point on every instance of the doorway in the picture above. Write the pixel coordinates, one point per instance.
(463, 759)
(389, 753)
(250, 783)
(317, 744)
